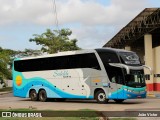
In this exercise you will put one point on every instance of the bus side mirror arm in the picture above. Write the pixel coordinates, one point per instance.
(121, 66)
(150, 69)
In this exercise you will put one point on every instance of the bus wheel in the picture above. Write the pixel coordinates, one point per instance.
(33, 95)
(42, 96)
(100, 96)
(118, 100)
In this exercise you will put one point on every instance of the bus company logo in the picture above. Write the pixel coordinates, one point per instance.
(6, 114)
(61, 73)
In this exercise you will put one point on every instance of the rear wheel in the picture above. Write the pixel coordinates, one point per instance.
(118, 100)
(33, 95)
(42, 96)
(100, 96)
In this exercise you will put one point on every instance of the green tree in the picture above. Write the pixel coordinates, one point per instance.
(6, 59)
(5, 62)
(28, 52)
(55, 41)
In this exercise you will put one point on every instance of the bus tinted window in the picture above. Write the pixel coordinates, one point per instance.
(108, 57)
(115, 74)
(129, 58)
(54, 63)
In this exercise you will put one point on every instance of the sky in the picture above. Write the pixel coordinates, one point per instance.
(93, 22)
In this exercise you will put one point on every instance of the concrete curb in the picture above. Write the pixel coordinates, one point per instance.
(151, 95)
(157, 95)
(2, 93)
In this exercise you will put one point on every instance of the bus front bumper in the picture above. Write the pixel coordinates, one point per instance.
(135, 95)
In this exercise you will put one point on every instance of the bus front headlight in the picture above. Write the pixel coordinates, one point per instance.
(125, 89)
(129, 90)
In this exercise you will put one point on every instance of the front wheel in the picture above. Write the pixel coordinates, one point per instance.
(118, 100)
(100, 96)
(43, 96)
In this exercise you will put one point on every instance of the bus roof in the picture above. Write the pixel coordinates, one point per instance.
(112, 49)
(59, 54)
(74, 52)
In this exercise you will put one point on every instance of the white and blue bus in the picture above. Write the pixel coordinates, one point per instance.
(102, 74)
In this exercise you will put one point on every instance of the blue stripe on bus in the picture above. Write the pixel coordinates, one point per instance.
(123, 94)
(36, 83)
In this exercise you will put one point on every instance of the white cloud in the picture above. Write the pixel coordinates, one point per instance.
(92, 37)
(90, 14)
(93, 13)
(22, 11)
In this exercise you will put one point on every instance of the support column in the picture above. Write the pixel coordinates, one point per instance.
(156, 55)
(128, 48)
(149, 59)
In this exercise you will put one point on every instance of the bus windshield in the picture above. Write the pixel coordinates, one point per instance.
(129, 58)
(135, 80)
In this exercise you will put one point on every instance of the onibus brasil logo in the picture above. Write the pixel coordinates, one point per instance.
(21, 114)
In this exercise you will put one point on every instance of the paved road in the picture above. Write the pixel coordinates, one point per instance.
(8, 101)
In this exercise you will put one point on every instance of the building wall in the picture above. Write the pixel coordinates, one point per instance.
(140, 53)
(154, 83)
(156, 70)
(9, 83)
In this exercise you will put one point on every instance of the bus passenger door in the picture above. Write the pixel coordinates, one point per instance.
(120, 82)
(115, 88)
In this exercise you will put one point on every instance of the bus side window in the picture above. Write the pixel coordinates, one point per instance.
(113, 79)
(109, 57)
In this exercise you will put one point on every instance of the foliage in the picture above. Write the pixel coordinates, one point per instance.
(6, 59)
(5, 62)
(55, 41)
(6, 89)
(28, 52)
(51, 41)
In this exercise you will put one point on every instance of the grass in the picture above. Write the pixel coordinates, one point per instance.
(66, 118)
(53, 118)
(19, 109)
(123, 119)
(6, 89)
(82, 112)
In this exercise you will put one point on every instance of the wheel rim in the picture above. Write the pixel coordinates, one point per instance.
(42, 96)
(101, 97)
(33, 95)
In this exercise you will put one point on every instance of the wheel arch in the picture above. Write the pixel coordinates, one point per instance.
(98, 89)
(41, 89)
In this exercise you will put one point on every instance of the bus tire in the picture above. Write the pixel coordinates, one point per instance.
(118, 100)
(33, 95)
(42, 96)
(100, 97)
